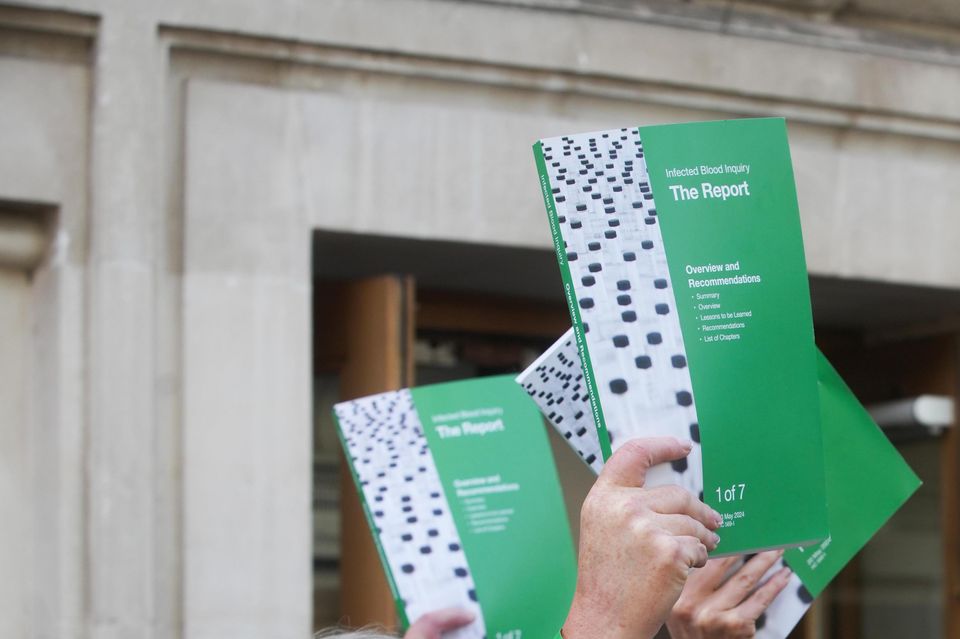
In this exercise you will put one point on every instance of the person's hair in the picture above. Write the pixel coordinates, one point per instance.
(362, 633)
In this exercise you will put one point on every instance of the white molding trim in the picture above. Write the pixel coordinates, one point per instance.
(242, 49)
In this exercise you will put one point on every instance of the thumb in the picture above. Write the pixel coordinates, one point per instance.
(628, 465)
(433, 624)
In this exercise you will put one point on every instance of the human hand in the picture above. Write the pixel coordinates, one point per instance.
(433, 624)
(710, 607)
(637, 545)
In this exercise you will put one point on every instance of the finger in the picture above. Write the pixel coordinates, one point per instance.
(679, 525)
(433, 624)
(737, 587)
(670, 500)
(693, 552)
(709, 578)
(628, 465)
(756, 603)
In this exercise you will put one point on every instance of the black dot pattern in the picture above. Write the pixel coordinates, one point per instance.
(555, 382)
(387, 449)
(623, 290)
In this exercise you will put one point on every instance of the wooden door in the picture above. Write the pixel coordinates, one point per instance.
(375, 335)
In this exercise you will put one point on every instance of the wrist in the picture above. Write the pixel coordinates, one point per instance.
(589, 619)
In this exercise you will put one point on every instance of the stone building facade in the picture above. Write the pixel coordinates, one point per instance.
(176, 177)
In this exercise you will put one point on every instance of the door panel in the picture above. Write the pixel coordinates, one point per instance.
(378, 356)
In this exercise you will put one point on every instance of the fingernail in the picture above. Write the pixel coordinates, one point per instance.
(717, 518)
(686, 443)
(780, 553)
(716, 540)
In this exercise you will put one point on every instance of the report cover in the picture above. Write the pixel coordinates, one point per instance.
(682, 261)
(866, 478)
(458, 484)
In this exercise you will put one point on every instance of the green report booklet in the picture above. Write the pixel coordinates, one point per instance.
(683, 268)
(866, 478)
(459, 487)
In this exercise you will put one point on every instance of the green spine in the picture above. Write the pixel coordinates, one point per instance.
(397, 600)
(588, 378)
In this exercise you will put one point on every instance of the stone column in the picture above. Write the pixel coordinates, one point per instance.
(121, 331)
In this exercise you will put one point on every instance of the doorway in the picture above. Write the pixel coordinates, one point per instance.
(458, 310)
